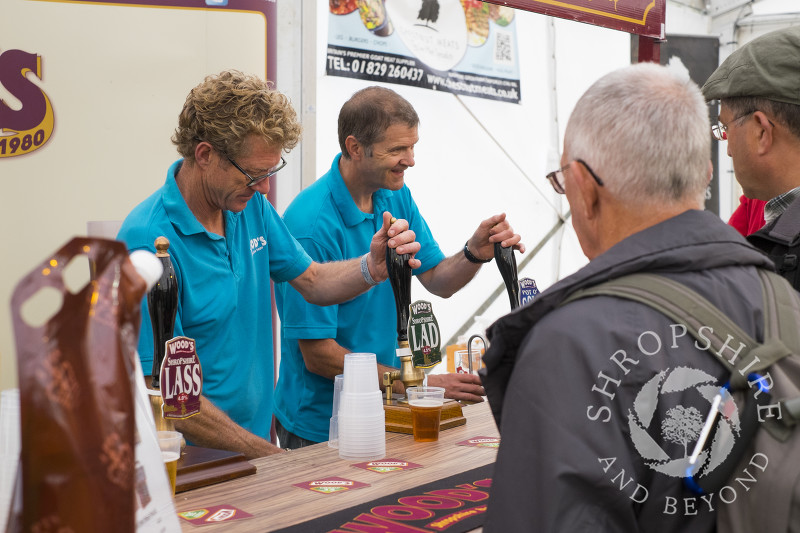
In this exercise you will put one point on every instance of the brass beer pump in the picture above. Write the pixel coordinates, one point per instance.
(400, 279)
(398, 413)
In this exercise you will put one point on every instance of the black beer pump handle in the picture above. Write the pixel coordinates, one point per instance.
(507, 263)
(162, 303)
(400, 278)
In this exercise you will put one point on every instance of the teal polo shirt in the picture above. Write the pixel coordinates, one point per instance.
(224, 294)
(329, 225)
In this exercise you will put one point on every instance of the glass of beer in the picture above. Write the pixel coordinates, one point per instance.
(426, 411)
(170, 443)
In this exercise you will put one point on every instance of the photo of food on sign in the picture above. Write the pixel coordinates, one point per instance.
(477, 15)
(342, 7)
(501, 15)
(373, 16)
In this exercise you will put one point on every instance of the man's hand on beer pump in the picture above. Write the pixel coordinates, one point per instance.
(394, 234)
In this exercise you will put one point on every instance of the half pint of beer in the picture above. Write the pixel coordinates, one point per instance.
(426, 412)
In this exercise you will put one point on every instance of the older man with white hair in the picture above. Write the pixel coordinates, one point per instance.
(598, 400)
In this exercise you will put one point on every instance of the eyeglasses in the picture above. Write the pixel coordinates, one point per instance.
(556, 178)
(720, 130)
(258, 179)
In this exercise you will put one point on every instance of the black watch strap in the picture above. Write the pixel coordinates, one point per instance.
(471, 258)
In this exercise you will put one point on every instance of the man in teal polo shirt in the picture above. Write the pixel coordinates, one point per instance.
(333, 220)
(227, 242)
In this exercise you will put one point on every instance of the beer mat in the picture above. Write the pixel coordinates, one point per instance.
(453, 504)
(384, 466)
(331, 485)
(213, 515)
(481, 442)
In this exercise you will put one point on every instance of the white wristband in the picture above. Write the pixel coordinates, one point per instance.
(365, 271)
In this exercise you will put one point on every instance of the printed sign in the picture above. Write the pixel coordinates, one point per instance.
(642, 17)
(26, 119)
(331, 485)
(464, 47)
(423, 335)
(385, 466)
(181, 378)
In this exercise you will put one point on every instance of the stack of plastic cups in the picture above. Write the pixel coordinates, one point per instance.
(333, 430)
(362, 430)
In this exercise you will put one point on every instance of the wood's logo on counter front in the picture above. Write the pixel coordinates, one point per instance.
(26, 115)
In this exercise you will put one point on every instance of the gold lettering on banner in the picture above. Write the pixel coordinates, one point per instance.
(599, 12)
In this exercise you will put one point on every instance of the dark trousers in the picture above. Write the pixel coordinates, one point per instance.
(289, 440)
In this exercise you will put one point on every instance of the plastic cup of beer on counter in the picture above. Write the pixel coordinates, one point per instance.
(170, 443)
(426, 412)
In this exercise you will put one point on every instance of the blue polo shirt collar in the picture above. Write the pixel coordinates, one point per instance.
(351, 214)
(179, 213)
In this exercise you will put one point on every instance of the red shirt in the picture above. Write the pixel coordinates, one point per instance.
(749, 216)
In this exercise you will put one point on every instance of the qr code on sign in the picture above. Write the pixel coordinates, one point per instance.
(503, 50)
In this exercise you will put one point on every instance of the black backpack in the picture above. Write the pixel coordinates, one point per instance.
(762, 470)
(781, 243)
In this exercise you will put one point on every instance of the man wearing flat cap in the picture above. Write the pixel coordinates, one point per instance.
(759, 91)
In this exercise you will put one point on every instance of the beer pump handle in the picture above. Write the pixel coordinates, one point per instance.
(400, 278)
(162, 303)
(507, 263)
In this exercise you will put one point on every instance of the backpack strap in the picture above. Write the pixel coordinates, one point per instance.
(781, 243)
(683, 305)
(786, 227)
(782, 329)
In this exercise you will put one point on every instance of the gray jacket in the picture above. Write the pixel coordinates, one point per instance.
(598, 402)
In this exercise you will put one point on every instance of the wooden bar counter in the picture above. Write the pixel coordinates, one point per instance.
(269, 495)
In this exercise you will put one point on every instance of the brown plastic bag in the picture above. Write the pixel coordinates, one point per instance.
(76, 400)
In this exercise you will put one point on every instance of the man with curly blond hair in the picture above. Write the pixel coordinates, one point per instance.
(227, 242)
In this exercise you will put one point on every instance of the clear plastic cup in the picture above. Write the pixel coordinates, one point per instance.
(170, 443)
(333, 428)
(362, 437)
(360, 372)
(361, 403)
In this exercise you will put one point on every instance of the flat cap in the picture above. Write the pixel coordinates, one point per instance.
(766, 67)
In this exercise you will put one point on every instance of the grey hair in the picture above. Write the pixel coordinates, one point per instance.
(644, 130)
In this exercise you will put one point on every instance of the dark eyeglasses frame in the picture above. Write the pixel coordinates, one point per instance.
(258, 179)
(553, 177)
